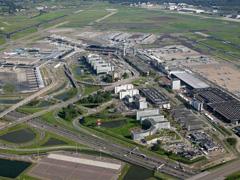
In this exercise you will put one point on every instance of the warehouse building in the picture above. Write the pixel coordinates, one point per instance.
(221, 104)
(155, 97)
(187, 119)
(188, 80)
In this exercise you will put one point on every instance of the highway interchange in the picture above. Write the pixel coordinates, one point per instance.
(110, 147)
(82, 136)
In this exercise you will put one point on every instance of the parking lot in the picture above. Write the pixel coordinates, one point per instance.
(73, 167)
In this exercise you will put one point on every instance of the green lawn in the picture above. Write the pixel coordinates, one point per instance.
(67, 94)
(88, 89)
(2, 40)
(143, 20)
(158, 21)
(85, 18)
(234, 176)
(28, 110)
(111, 127)
(23, 33)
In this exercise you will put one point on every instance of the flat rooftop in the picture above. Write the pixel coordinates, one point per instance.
(76, 166)
(154, 95)
(219, 102)
(190, 79)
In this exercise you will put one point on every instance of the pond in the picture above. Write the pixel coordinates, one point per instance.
(9, 101)
(139, 173)
(66, 95)
(54, 142)
(19, 136)
(12, 169)
(113, 124)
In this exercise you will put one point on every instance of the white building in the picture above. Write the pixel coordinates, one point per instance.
(176, 84)
(151, 118)
(99, 65)
(142, 104)
(117, 89)
(130, 92)
(147, 112)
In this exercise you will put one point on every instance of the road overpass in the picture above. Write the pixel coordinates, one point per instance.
(117, 151)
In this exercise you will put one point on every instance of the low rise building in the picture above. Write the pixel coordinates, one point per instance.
(117, 89)
(151, 121)
(140, 102)
(204, 141)
(176, 84)
(147, 112)
(187, 119)
(155, 97)
(99, 65)
(130, 92)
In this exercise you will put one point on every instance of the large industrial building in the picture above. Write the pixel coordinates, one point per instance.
(187, 119)
(189, 80)
(155, 97)
(221, 104)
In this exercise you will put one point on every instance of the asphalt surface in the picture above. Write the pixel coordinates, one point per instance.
(40, 113)
(28, 99)
(117, 151)
(219, 173)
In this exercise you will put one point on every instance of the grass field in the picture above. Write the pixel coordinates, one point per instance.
(135, 20)
(157, 21)
(87, 17)
(234, 176)
(13, 23)
(114, 124)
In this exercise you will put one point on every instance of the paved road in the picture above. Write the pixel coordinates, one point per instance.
(40, 113)
(220, 173)
(40, 148)
(28, 99)
(117, 151)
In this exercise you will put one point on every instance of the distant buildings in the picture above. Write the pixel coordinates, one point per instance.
(99, 65)
(140, 102)
(176, 84)
(183, 7)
